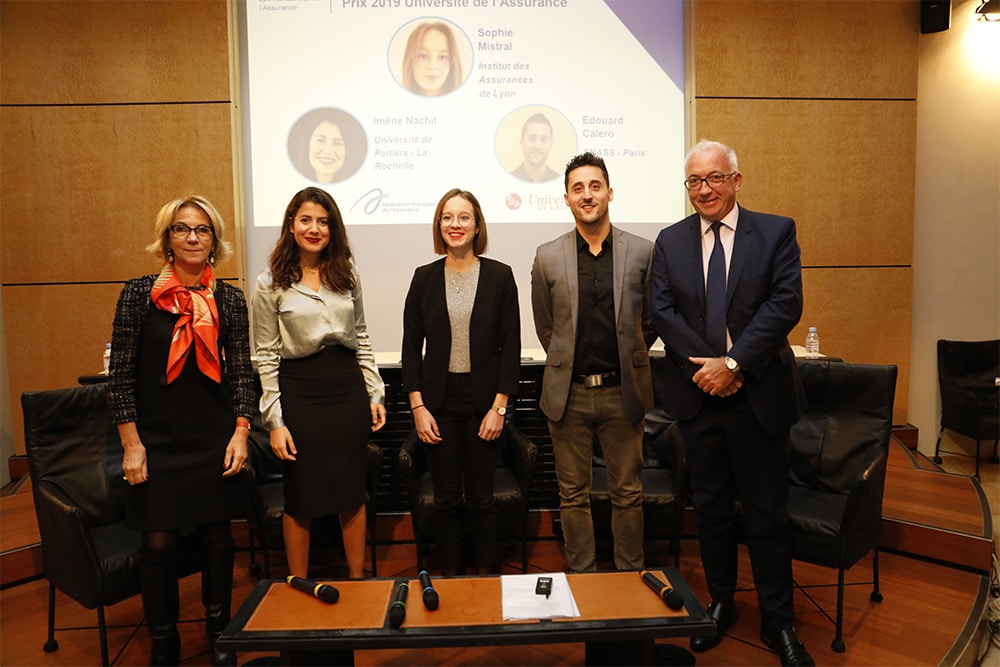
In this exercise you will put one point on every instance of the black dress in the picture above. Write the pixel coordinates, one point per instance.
(327, 410)
(185, 427)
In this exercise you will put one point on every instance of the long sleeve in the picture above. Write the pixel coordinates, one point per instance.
(237, 349)
(510, 335)
(268, 345)
(413, 335)
(366, 356)
(133, 302)
(541, 303)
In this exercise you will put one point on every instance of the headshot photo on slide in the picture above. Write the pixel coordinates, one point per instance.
(534, 142)
(430, 56)
(327, 145)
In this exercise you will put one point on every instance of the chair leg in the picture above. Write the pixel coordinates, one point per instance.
(254, 565)
(876, 595)
(838, 641)
(937, 447)
(995, 459)
(102, 629)
(524, 546)
(978, 442)
(374, 556)
(265, 551)
(51, 644)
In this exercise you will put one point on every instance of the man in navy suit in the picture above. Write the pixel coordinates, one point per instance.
(590, 300)
(731, 382)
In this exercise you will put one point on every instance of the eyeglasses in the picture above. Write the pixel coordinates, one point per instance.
(713, 180)
(181, 231)
(464, 220)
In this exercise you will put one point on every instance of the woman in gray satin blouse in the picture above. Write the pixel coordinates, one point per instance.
(461, 362)
(322, 393)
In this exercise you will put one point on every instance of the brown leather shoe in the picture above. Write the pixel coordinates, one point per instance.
(724, 616)
(784, 642)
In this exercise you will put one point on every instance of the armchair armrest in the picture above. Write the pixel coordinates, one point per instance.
(863, 510)
(411, 467)
(521, 455)
(67, 550)
(678, 461)
(374, 473)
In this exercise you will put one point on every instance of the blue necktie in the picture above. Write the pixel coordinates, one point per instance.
(715, 296)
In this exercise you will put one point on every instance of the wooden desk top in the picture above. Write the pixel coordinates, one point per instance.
(613, 606)
(465, 601)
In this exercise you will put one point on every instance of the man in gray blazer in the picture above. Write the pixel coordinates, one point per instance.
(590, 294)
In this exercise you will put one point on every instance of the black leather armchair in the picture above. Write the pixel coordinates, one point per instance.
(664, 483)
(512, 483)
(839, 452)
(75, 463)
(267, 502)
(970, 397)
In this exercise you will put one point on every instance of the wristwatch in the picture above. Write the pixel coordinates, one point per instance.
(500, 409)
(732, 364)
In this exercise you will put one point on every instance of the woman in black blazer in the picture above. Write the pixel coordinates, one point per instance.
(464, 309)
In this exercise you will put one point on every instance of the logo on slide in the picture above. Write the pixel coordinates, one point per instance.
(513, 201)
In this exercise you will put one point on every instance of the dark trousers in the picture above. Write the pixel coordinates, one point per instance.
(461, 454)
(731, 458)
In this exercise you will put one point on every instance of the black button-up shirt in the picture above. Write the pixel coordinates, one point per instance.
(596, 336)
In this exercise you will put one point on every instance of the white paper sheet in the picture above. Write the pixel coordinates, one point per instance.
(520, 602)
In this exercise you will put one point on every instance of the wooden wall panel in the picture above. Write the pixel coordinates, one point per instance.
(862, 315)
(98, 52)
(818, 99)
(844, 169)
(851, 49)
(87, 182)
(55, 333)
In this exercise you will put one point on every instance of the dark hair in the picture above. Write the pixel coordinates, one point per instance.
(587, 159)
(480, 239)
(355, 141)
(335, 258)
(537, 117)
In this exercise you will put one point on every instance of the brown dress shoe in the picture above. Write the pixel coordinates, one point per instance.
(724, 616)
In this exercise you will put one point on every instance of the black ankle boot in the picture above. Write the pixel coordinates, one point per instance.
(216, 595)
(160, 607)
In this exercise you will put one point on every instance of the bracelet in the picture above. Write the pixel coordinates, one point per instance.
(416, 406)
(243, 424)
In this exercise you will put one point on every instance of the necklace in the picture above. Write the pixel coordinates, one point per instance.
(467, 278)
(310, 270)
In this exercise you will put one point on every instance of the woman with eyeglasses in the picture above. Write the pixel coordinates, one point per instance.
(322, 392)
(431, 65)
(461, 362)
(181, 391)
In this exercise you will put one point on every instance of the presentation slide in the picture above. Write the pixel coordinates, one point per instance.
(388, 104)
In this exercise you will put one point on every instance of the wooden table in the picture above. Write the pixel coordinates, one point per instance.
(619, 618)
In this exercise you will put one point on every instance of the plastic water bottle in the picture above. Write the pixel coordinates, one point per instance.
(812, 344)
(107, 358)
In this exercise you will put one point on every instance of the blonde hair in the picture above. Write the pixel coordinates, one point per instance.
(221, 249)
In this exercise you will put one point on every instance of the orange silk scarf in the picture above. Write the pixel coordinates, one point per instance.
(198, 323)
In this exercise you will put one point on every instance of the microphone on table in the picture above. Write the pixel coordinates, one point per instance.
(672, 598)
(397, 610)
(322, 591)
(431, 598)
